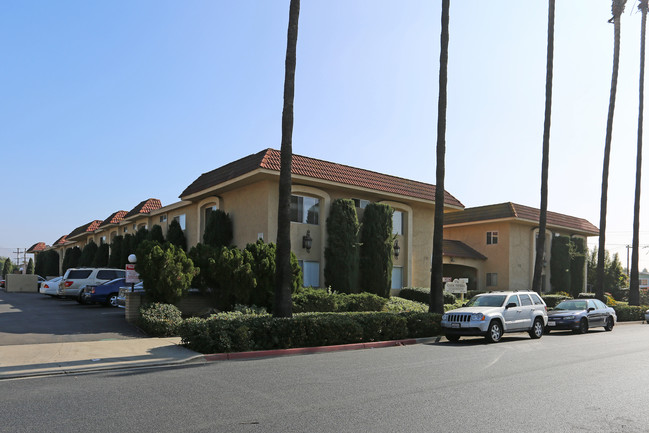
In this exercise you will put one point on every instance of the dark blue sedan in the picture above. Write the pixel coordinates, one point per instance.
(105, 293)
(578, 315)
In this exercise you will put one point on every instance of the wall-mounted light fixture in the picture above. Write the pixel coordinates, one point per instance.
(397, 248)
(307, 241)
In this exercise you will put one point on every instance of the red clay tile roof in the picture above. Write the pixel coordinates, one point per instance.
(452, 248)
(114, 218)
(37, 248)
(90, 227)
(144, 207)
(269, 159)
(60, 240)
(513, 210)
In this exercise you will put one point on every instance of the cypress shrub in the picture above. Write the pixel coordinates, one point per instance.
(218, 229)
(156, 235)
(39, 266)
(141, 235)
(376, 250)
(176, 236)
(166, 272)
(7, 267)
(560, 263)
(71, 258)
(101, 256)
(30, 267)
(342, 250)
(577, 266)
(114, 261)
(51, 266)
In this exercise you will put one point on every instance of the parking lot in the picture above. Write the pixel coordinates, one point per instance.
(33, 318)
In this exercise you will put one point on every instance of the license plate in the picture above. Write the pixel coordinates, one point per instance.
(455, 325)
(551, 324)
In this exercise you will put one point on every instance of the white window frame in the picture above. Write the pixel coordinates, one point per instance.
(492, 238)
(182, 220)
(302, 209)
(397, 222)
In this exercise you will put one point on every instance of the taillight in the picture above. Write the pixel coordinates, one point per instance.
(45, 286)
(92, 290)
(68, 283)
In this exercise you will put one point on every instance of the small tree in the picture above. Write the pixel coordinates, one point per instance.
(166, 271)
(560, 263)
(7, 268)
(30, 267)
(39, 266)
(88, 254)
(128, 248)
(176, 236)
(376, 250)
(218, 229)
(341, 252)
(230, 278)
(71, 258)
(101, 256)
(156, 234)
(114, 261)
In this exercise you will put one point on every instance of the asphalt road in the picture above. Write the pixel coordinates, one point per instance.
(32, 318)
(560, 383)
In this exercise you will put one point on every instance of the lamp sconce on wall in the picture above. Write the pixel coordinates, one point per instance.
(397, 248)
(307, 241)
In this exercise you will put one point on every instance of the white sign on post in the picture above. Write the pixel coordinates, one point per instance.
(132, 277)
(456, 286)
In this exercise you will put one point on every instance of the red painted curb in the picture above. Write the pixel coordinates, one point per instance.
(306, 350)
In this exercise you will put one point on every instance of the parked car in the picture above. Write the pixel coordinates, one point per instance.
(40, 280)
(76, 278)
(578, 315)
(51, 287)
(105, 293)
(492, 314)
(121, 297)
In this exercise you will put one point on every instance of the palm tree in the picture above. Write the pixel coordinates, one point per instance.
(540, 240)
(634, 292)
(283, 307)
(617, 8)
(436, 286)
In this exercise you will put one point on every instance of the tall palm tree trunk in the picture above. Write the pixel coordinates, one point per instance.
(540, 241)
(634, 292)
(436, 284)
(283, 306)
(617, 8)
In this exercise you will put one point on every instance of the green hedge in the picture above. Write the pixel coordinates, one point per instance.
(422, 294)
(629, 313)
(245, 333)
(552, 300)
(160, 320)
(309, 300)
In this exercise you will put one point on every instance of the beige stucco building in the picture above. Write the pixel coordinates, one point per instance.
(505, 235)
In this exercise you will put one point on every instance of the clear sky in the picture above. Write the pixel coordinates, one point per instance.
(105, 104)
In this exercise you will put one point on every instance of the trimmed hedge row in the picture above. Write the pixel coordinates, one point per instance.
(311, 300)
(629, 313)
(422, 294)
(246, 333)
(160, 320)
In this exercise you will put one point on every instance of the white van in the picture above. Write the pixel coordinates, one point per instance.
(76, 279)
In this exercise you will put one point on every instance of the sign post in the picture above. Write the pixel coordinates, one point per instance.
(457, 286)
(132, 276)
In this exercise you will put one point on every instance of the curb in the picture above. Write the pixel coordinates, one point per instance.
(318, 349)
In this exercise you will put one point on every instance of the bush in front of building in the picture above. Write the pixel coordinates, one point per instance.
(342, 250)
(422, 294)
(551, 300)
(88, 254)
(155, 234)
(47, 263)
(311, 300)
(102, 256)
(166, 272)
(114, 261)
(629, 313)
(375, 265)
(401, 305)
(71, 258)
(176, 236)
(160, 320)
(218, 229)
(236, 334)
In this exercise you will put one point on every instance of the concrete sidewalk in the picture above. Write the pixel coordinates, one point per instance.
(30, 360)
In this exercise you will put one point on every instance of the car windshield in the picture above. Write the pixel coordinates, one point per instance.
(571, 305)
(487, 301)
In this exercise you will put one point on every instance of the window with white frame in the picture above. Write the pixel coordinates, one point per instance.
(305, 210)
(492, 279)
(397, 277)
(310, 273)
(163, 218)
(397, 223)
(492, 238)
(181, 220)
(360, 203)
(102, 240)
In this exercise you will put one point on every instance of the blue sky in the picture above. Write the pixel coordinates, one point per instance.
(105, 104)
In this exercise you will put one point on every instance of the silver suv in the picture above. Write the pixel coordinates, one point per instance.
(494, 313)
(76, 279)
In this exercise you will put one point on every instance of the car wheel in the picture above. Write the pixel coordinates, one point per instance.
(494, 332)
(453, 338)
(609, 324)
(583, 326)
(111, 301)
(537, 328)
(80, 299)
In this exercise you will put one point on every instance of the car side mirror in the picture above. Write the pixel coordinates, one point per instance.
(511, 304)
(591, 309)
